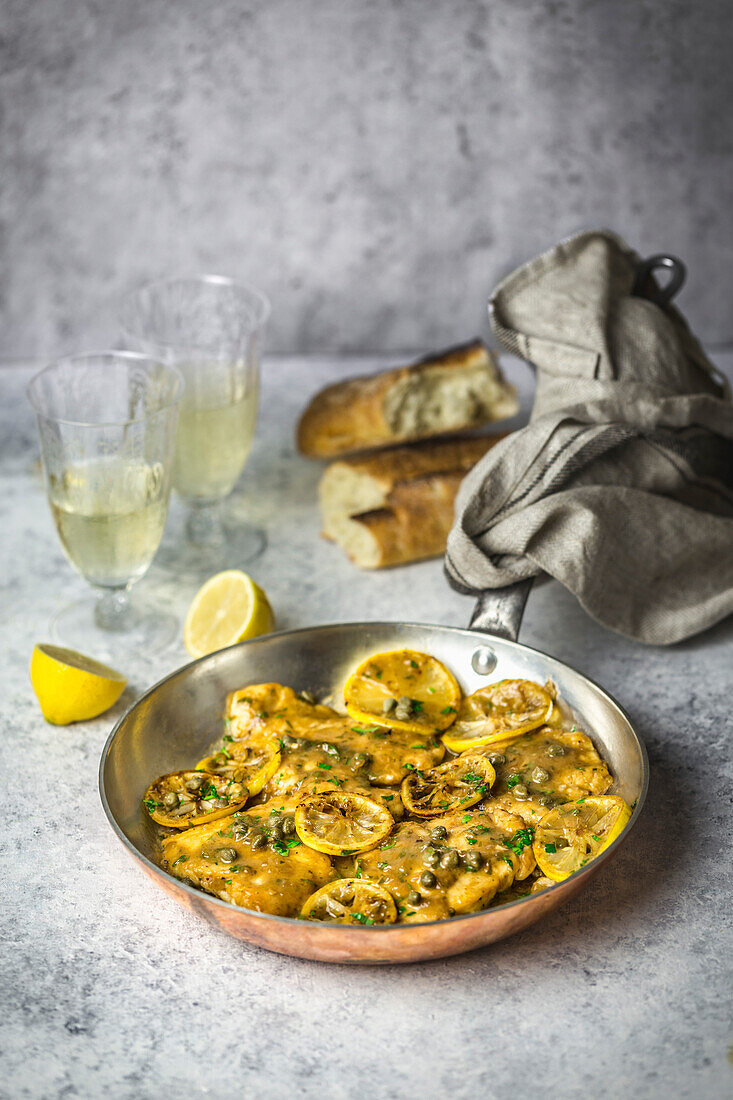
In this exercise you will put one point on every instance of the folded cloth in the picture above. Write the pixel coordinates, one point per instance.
(621, 485)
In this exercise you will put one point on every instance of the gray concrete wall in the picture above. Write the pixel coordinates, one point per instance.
(374, 166)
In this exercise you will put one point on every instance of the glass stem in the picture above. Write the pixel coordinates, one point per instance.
(113, 610)
(205, 524)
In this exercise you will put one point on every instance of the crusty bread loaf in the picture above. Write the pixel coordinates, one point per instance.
(396, 505)
(450, 392)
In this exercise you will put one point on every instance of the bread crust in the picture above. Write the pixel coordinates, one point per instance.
(412, 490)
(350, 416)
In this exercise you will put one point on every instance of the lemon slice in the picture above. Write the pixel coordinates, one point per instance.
(229, 608)
(497, 712)
(351, 901)
(253, 765)
(182, 799)
(341, 823)
(455, 785)
(71, 687)
(569, 836)
(403, 689)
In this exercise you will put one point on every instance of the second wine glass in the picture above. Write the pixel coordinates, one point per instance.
(211, 328)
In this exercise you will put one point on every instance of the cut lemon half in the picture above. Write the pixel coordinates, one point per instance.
(71, 687)
(182, 799)
(497, 712)
(403, 689)
(451, 786)
(229, 608)
(351, 901)
(569, 836)
(341, 823)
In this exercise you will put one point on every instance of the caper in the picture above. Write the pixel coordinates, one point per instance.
(194, 783)
(183, 808)
(308, 697)
(438, 833)
(227, 855)
(259, 841)
(555, 750)
(405, 701)
(170, 800)
(389, 704)
(431, 857)
(474, 861)
(539, 775)
(358, 760)
(449, 860)
(235, 792)
(496, 759)
(414, 898)
(546, 800)
(520, 792)
(288, 826)
(428, 880)
(278, 832)
(240, 832)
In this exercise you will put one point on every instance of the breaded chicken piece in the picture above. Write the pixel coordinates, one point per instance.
(545, 768)
(479, 853)
(229, 859)
(274, 711)
(312, 767)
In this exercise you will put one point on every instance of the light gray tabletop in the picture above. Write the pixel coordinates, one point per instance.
(110, 989)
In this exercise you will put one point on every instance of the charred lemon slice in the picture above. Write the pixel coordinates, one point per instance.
(451, 786)
(403, 689)
(497, 712)
(569, 836)
(253, 765)
(341, 823)
(351, 901)
(182, 799)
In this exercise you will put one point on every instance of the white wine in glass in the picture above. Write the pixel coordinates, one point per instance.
(211, 328)
(110, 514)
(107, 425)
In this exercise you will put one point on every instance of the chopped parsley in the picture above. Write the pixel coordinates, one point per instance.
(181, 859)
(466, 817)
(550, 849)
(326, 767)
(416, 705)
(448, 710)
(521, 840)
(513, 780)
(362, 918)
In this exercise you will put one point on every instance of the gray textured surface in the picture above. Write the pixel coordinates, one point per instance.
(375, 166)
(110, 989)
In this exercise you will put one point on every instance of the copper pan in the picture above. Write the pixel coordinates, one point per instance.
(175, 721)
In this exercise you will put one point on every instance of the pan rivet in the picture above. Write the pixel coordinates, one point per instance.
(484, 660)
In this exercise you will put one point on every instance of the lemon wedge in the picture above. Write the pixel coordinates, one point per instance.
(71, 687)
(229, 608)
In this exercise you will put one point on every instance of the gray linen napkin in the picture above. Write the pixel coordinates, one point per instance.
(621, 485)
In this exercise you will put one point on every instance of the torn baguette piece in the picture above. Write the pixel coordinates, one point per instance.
(451, 391)
(396, 506)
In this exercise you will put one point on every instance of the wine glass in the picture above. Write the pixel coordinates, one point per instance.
(212, 329)
(107, 425)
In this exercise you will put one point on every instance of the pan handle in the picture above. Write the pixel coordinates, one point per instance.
(499, 611)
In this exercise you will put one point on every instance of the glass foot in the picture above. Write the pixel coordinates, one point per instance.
(237, 547)
(142, 631)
